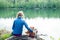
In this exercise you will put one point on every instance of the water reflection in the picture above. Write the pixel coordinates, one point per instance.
(49, 26)
(30, 13)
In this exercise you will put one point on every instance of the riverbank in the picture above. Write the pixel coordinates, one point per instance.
(49, 26)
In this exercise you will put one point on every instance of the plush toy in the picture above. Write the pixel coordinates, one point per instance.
(32, 34)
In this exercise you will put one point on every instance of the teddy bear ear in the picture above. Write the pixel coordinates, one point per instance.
(31, 27)
(27, 32)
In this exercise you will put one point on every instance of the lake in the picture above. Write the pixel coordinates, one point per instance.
(46, 21)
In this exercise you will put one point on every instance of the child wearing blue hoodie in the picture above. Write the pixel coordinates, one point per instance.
(18, 24)
(18, 27)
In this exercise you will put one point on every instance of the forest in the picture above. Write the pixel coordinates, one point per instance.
(30, 3)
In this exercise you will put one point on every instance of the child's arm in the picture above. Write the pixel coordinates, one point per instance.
(27, 27)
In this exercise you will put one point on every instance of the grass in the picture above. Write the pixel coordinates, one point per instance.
(52, 38)
(4, 34)
(58, 38)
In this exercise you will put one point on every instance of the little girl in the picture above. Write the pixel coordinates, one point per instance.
(18, 26)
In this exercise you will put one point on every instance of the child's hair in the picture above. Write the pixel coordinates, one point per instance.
(20, 13)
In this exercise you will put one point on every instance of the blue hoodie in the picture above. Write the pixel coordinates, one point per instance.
(18, 26)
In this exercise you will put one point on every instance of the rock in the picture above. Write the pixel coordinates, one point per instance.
(24, 37)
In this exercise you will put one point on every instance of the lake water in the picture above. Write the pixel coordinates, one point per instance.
(46, 21)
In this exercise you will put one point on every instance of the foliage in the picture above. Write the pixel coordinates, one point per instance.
(58, 38)
(30, 3)
(4, 34)
(52, 38)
